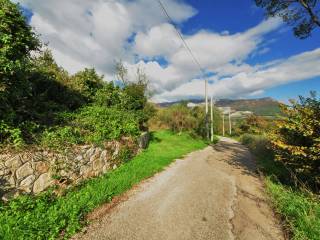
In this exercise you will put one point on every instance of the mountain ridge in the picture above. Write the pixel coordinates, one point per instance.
(265, 106)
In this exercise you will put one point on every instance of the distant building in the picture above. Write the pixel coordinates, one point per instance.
(246, 112)
(225, 110)
(191, 105)
(241, 114)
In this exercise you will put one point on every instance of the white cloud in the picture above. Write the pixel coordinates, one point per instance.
(214, 51)
(96, 33)
(160, 40)
(299, 67)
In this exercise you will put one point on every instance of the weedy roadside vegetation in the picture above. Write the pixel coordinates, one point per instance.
(288, 155)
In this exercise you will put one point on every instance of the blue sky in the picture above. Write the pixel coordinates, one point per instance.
(244, 54)
(237, 16)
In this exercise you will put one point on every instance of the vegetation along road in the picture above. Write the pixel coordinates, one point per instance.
(213, 193)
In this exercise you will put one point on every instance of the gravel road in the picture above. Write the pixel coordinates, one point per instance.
(213, 194)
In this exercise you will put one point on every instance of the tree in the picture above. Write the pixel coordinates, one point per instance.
(87, 82)
(121, 72)
(304, 15)
(296, 139)
(16, 43)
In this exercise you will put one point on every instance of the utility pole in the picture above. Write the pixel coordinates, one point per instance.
(206, 99)
(222, 123)
(211, 119)
(230, 131)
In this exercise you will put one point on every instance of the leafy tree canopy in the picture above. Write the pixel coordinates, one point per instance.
(16, 42)
(303, 15)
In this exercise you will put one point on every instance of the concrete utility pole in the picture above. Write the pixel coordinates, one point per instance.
(230, 131)
(222, 123)
(211, 119)
(206, 99)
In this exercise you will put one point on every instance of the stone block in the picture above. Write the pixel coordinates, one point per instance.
(12, 181)
(95, 156)
(43, 182)
(104, 156)
(23, 171)
(26, 184)
(90, 152)
(14, 162)
(116, 149)
(97, 164)
(79, 158)
(143, 140)
(41, 167)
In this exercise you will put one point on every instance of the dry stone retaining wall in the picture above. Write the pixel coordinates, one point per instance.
(34, 171)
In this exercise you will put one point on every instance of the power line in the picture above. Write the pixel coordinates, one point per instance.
(194, 59)
(181, 37)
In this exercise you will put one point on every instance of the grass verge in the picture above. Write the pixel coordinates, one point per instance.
(298, 207)
(49, 217)
(300, 210)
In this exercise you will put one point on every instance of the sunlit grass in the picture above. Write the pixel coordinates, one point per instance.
(300, 210)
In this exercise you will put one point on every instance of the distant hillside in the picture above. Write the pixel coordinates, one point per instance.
(259, 106)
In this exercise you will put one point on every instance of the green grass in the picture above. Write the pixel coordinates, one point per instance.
(300, 210)
(50, 217)
(298, 207)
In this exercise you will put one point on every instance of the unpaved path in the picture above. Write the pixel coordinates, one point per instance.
(213, 194)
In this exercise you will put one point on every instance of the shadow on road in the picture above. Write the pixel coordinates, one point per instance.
(236, 155)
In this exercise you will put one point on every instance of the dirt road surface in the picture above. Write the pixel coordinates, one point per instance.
(212, 194)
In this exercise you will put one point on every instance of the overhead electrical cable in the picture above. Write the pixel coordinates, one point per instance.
(202, 72)
(181, 36)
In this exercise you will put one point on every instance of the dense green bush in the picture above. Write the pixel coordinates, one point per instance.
(61, 136)
(87, 83)
(10, 135)
(103, 123)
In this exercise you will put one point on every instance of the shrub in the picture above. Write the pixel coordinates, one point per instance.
(101, 123)
(258, 144)
(61, 136)
(296, 140)
(87, 82)
(253, 124)
(10, 135)
(179, 118)
(92, 124)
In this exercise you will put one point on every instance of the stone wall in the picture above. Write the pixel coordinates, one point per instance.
(143, 140)
(34, 171)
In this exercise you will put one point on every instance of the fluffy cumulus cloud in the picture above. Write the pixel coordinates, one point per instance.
(253, 80)
(97, 33)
